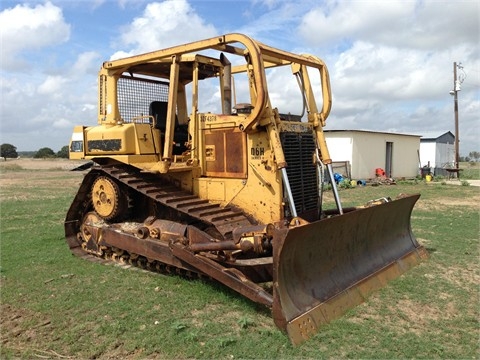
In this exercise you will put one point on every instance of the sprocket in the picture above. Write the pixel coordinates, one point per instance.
(108, 200)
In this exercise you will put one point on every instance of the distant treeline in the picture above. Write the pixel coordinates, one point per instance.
(10, 151)
(26, 154)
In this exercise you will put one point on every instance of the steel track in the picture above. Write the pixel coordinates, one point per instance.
(184, 204)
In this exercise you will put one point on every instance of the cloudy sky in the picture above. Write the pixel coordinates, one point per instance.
(390, 62)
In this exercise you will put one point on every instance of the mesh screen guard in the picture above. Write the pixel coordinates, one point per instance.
(135, 95)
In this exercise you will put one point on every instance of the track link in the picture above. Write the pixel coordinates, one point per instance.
(111, 256)
(194, 209)
(223, 219)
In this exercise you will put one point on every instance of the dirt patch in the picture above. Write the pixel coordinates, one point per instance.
(32, 184)
(40, 164)
(471, 182)
(422, 314)
(406, 315)
(415, 317)
(199, 316)
(441, 203)
(461, 277)
(472, 201)
(23, 332)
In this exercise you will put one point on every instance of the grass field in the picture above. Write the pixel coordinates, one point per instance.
(470, 170)
(54, 305)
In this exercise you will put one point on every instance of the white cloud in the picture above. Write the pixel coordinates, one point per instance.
(87, 63)
(389, 73)
(25, 29)
(122, 54)
(425, 24)
(89, 107)
(40, 110)
(275, 22)
(165, 24)
(268, 3)
(63, 124)
(52, 85)
(391, 63)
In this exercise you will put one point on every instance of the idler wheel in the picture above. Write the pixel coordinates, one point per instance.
(108, 200)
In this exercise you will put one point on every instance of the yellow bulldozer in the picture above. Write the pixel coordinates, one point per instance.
(186, 179)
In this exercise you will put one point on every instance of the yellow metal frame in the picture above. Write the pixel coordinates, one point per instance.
(141, 145)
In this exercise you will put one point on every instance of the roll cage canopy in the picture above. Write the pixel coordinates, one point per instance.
(257, 57)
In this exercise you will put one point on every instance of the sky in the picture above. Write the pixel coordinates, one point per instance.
(390, 62)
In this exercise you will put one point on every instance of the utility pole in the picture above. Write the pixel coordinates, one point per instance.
(456, 89)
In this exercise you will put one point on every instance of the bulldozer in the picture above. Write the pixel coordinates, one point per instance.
(186, 179)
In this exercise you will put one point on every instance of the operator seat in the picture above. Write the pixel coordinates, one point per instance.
(158, 110)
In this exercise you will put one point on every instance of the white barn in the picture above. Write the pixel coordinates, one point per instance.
(437, 151)
(396, 154)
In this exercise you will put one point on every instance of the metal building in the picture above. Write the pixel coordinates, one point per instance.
(437, 152)
(367, 151)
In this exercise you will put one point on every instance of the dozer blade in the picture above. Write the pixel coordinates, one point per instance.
(324, 268)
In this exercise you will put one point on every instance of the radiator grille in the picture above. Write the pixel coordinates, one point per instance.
(299, 149)
(136, 94)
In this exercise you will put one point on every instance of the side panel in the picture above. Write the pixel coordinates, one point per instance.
(225, 153)
(122, 139)
(115, 140)
(262, 194)
(241, 171)
(145, 135)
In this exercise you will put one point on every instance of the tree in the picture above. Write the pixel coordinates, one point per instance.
(474, 155)
(44, 153)
(63, 153)
(8, 151)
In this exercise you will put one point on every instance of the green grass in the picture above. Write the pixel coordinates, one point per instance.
(56, 304)
(470, 170)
